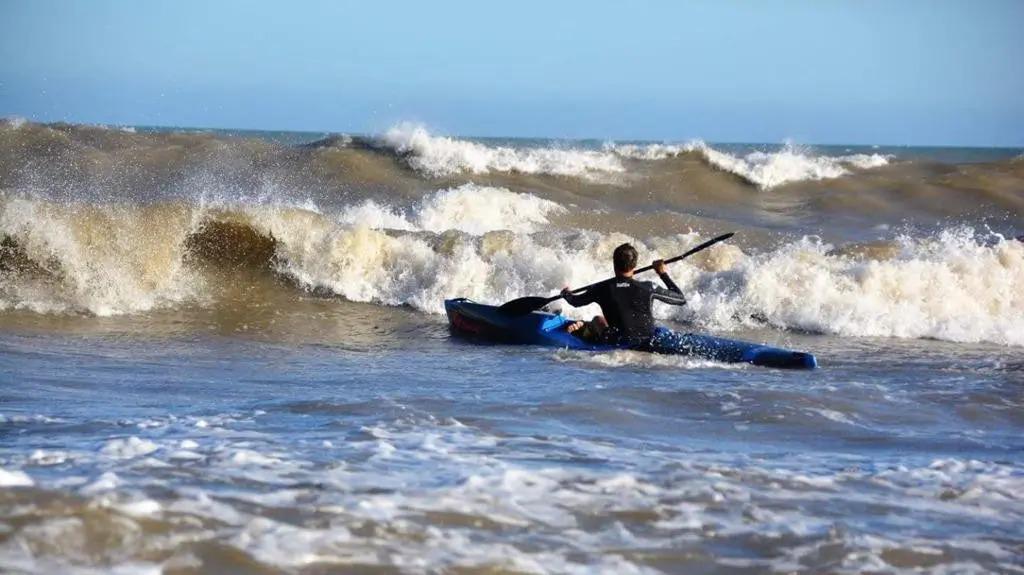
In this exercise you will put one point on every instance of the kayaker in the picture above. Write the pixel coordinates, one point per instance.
(625, 302)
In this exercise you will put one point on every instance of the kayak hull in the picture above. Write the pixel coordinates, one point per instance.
(485, 322)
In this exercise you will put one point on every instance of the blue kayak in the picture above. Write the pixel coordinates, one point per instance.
(485, 322)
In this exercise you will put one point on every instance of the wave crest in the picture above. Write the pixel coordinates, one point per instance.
(768, 170)
(468, 208)
(765, 170)
(102, 260)
(439, 156)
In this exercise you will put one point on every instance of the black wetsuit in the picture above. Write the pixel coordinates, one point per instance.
(626, 304)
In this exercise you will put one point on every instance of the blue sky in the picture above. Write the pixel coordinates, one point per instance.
(893, 72)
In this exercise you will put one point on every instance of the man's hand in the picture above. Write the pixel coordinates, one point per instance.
(659, 267)
(566, 291)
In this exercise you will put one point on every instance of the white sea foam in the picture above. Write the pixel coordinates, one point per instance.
(42, 457)
(106, 482)
(449, 495)
(442, 156)
(469, 208)
(36, 418)
(951, 287)
(865, 161)
(363, 264)
(128, 448)
(109, 260)
(251, 457)
(790, 164)
(138, 507)
(832, 415)
(954, 286)
(764, 169)
(652, 152)
(13, 122)
(633, 359)
(114, 128)
(16, 478)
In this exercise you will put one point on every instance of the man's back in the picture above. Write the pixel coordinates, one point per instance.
(626, 305)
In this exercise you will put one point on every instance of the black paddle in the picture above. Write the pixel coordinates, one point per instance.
(525, 305)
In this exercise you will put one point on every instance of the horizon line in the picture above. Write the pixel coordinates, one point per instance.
(784, 141)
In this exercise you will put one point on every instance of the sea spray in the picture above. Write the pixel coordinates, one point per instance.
(441, 156)
(355, 221)
(105, 260)
(953, 286)
(469, 208)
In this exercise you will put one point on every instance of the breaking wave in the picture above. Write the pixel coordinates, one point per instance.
(13, 122)
(106, 222)
(468, 208)
(439, 156)
(493, 245)
(951, 287)
(765, 170)
(105, 261)
(768, 170)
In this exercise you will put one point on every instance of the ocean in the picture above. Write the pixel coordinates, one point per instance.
(226, 352)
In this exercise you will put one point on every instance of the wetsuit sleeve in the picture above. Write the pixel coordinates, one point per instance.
(673, 295)
(585, 298)
(669, 283)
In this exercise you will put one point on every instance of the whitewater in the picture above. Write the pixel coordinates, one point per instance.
(228, 352)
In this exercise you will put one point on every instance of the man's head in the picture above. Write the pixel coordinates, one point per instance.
(624, 258)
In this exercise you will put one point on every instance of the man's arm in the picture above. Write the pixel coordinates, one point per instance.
(669, 297)
(669, 283)
(585, 298)
(673, 295)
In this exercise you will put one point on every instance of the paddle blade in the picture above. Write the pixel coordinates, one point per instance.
(524, 305)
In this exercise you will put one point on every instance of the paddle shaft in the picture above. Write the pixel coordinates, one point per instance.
(702, 246)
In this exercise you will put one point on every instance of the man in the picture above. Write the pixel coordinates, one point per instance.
(625, 302)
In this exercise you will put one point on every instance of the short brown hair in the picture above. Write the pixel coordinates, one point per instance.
(625, 257)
